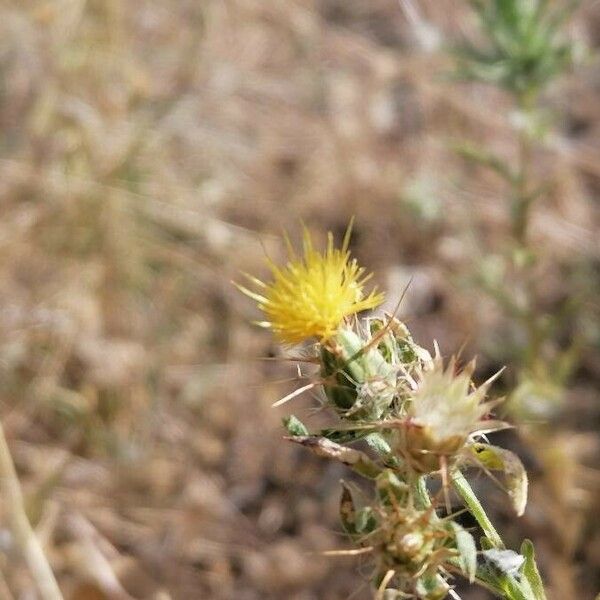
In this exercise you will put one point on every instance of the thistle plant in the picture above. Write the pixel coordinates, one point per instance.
(413, 419)
(523, 49)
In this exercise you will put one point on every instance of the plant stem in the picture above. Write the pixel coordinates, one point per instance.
(465, 491)
(22, 531)
(522, 204)
(522, 195)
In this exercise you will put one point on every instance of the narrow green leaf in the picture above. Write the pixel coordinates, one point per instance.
(513, 590)
(347, 510)
(390, 489)
(485, 158)
(508, 562)
(422, 499)
(294, 425)
(378, 443)
(432, 587)
(501, 584)
(465, 544)
(365, 521)
(530, 571)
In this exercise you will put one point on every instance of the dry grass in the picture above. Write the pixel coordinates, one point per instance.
(149, 151)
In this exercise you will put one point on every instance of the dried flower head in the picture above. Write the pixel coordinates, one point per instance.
(312, 295)
(445, 402)
(411, 546)
(444, 411)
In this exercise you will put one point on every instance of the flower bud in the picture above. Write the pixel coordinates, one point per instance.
(409, 544)
(358, 380)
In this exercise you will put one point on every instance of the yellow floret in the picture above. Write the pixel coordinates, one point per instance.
(312, 295)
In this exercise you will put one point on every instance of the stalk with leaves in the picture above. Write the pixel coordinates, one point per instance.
(522, 50)
(413, 419)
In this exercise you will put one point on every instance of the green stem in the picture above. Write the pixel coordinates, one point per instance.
(522, 194)
(523, 198)
(465, 491)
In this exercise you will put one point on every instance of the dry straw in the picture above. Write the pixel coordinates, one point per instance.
(21, 529)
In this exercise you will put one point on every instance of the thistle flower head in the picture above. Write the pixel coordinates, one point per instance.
(444, 411)
(445, 402)
(415, 545)
(313, 294)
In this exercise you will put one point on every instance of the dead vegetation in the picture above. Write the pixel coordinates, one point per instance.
(151, 151)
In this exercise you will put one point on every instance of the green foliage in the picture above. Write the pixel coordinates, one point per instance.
(294, 425)
(524, 48)
(465, 544)
(530, 571)
(515, 576)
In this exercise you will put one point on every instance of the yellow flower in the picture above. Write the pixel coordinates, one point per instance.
(312, 295)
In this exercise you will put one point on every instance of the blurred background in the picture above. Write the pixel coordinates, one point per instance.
(152, 150)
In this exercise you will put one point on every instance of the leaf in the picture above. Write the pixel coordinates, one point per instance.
(500, 570)
(294, 425)
(378, 443)
(522, 47)
(365, 520)
(465, 544)
(507, 561)
(356, 460)
(344, 435)
(390, 489)
(512, 589)
(355, 522)
(432, 587)
(347, 510)
(502, 585)
(486, 543)
(530, 571)
(499, 459)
